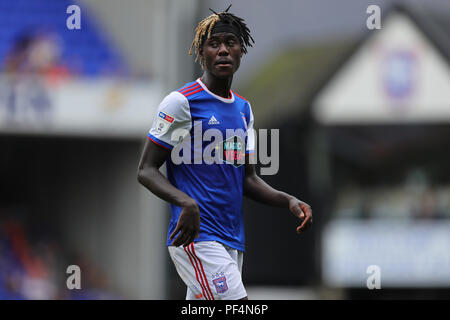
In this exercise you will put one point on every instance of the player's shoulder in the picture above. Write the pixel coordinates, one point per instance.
(183, 93)
(240, 98)
(190, 89)
(175, 96)
(188, 85)
(244, 102)
(174, 102)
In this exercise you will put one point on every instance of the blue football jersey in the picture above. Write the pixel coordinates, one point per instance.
(209, 137)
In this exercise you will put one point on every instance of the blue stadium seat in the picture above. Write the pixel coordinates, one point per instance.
(90, 46)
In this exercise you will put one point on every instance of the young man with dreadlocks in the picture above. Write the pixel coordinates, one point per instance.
(206, 232)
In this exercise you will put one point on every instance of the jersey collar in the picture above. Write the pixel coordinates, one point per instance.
(226, 100)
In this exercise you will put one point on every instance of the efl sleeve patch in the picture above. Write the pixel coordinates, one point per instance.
(163, 122)
(173, 113)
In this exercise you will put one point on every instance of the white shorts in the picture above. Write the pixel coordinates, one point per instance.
(210, 270)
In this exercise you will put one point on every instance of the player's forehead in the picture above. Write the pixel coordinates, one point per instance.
(221, 36)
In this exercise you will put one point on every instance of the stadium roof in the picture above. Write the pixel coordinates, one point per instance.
(289, 83)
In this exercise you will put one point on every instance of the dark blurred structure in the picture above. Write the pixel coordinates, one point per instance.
(366, 130)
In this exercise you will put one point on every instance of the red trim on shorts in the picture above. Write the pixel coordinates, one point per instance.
(196, 274)
(201, 265)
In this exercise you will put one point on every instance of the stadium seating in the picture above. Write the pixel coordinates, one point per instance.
(87, 52)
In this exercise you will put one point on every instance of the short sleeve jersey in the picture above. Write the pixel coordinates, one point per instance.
(209, 137)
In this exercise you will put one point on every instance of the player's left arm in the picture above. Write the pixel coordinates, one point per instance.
(256, 189)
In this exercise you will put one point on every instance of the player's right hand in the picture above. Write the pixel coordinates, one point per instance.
(188, 225)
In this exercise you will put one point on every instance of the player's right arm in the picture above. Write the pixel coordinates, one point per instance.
(153, 157)
(171, 115)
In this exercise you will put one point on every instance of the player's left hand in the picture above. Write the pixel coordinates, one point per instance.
(303, 211)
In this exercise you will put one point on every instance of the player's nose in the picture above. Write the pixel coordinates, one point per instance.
(223, 50)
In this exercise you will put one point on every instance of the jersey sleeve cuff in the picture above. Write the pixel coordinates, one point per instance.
(159, 142)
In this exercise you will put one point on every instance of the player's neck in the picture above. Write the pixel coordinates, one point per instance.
(218, 86)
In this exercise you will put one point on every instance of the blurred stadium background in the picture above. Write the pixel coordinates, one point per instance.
(364, 129)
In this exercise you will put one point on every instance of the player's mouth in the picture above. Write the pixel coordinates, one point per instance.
(224, 63)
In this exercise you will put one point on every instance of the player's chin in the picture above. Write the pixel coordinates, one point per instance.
(225, 71)
(222, 74)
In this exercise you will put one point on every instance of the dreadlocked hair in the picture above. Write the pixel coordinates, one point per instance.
(204, 28)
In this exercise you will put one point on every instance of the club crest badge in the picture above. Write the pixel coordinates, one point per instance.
(220, 282)
(399, 73)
